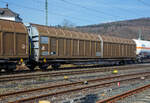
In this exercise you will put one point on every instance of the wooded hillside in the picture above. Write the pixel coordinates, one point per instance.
(126, 29)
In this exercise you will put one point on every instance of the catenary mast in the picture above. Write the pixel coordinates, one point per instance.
(46, 12)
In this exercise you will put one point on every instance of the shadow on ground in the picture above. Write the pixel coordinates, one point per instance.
(91, 98)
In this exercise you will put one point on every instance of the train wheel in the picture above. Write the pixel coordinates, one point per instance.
(117, 63)
(132, 62)
(1, 67)
(139, 60)
(31, 67)
(9, 70)
(122, 62)
(44, 66)
(55, 66)
(10, 67)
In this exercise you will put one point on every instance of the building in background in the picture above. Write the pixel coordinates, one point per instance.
(7, 14)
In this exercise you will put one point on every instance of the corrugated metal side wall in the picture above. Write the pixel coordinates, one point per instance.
(61, 47)
(87, 48)
(8, 44)
(14, 44)
(81, 48)
(116, 50)
(114, 47)
(21, 44)
(75, 48)
(68, 44)
(93, 48)
(13, 40)
(71, 44)
(1, 43)
(68, 47)
(98, 49)
(53, 46)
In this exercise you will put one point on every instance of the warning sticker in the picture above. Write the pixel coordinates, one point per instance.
(43, 48)
(23, 46)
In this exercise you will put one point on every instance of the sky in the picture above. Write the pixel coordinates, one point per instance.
(78, 12)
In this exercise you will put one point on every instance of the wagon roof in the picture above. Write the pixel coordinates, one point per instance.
(51, 31)
(114, 39)
(12, 26)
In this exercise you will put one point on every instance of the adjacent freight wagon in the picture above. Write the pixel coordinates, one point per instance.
(143, 49)
(38, 45)
(13, 44)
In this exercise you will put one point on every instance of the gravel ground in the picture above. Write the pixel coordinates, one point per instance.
(11, 98)
(142, 97)
(44, 81)
(86, 96)
(83, 96)
(92, 95)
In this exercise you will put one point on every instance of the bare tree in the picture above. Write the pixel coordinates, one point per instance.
(67, 24)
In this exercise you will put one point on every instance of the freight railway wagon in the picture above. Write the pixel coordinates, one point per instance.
(56, 46)
(13, 44)
(143, 49)
(43, 46)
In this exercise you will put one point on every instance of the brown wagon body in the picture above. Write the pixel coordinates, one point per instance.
(13, 41)
(64, 44)
(118, 48)
(52, 46)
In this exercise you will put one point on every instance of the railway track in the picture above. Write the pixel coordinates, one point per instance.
(62, 68)
(62, 73)
(71, 87)
(115, 98)
(50, 69)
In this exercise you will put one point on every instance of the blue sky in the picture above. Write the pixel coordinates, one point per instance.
(79, 12)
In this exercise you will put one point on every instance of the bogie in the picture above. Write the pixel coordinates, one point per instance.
(10, 67)
(43, 66)
(55, 66)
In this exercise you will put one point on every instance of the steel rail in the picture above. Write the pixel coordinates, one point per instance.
(77, 89)
(75, 83)
(115, 98)
(68, 91)
(30, 76)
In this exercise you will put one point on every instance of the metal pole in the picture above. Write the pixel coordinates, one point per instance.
(46, 12)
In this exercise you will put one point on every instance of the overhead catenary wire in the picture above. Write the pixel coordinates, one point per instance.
(144, 3)
(124, 9)
(104, 13)
(91, 9)
(98, 15)
(41, 10)
(95, 10)
(83, 18)
(87, 8)
(99, 11)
